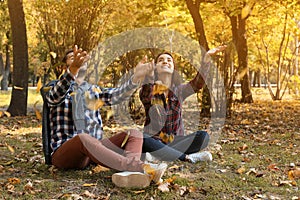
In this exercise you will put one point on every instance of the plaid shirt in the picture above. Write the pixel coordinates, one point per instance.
(60, 102)
(166, 113)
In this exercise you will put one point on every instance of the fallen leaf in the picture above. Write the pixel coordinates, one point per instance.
(289, 183)
(294, 174)
(164, 187)
(7, 114)
(10, 148)
(273, 167)
(28, 186)
(138, 191)
(99, 168)
(88, 194)
(89, 184)
(14, 181)
(241, 170)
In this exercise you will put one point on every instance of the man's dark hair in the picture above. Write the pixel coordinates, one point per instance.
(64, 60)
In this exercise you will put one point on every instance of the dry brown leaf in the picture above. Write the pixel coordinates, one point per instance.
(86, 193)
(53, 170)
(28, 186)
(244, 147)
(273, 167)
(14, 181)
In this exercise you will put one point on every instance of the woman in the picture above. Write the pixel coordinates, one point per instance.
(162, 98)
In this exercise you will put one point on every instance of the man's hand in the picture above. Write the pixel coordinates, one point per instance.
(80, 57)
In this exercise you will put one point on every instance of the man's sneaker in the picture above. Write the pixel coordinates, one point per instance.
(155, 171)
(131, 179)
(199, 156)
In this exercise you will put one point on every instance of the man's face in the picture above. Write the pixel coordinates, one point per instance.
(165, 64)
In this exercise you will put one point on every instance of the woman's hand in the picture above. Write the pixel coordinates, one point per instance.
(216, 50)
(143, 69)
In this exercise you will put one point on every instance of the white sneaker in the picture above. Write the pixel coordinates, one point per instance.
(150, 158)
(131, 179)
(155, 171)
(200, 156)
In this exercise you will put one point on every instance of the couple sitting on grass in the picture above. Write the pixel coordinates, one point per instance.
(77, 129)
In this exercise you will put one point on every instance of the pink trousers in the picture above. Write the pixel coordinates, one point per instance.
(81, 150)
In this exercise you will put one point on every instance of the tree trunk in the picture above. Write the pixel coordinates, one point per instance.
(194, 9)
(18, 103)
(238, 28)
(6, 70)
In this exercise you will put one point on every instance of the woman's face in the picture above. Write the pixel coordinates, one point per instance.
(165, 64)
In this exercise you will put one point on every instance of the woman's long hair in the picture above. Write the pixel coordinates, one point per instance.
(176, 79)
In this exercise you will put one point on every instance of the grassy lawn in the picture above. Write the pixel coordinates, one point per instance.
(258, 147)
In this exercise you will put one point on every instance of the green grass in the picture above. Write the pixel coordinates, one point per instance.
(269, 137)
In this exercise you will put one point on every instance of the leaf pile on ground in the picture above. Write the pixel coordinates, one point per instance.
(256, 156)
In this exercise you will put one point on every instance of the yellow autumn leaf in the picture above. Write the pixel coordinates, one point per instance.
(39, 85)
(294, 174)
(241, 170)
(1, 113)
(109, 114)
(53, 54)
(149, 170)
(125, 139)
(7, 114)
(93, 104)
(89, 184)
(100, 168)
(10, 148)
(46, 89)
(159, 89)
(37, 112)
(245, 12)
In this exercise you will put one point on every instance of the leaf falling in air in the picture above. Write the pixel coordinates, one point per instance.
(245, 11)
(37, 112)
(39, 85)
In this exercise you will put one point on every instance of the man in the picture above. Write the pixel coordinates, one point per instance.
(76, 127)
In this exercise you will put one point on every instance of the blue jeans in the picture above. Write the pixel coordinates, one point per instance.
(178, 149)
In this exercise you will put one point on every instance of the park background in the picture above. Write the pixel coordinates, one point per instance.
(256, 155)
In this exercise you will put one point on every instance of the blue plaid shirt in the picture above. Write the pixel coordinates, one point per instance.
(59, 99)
